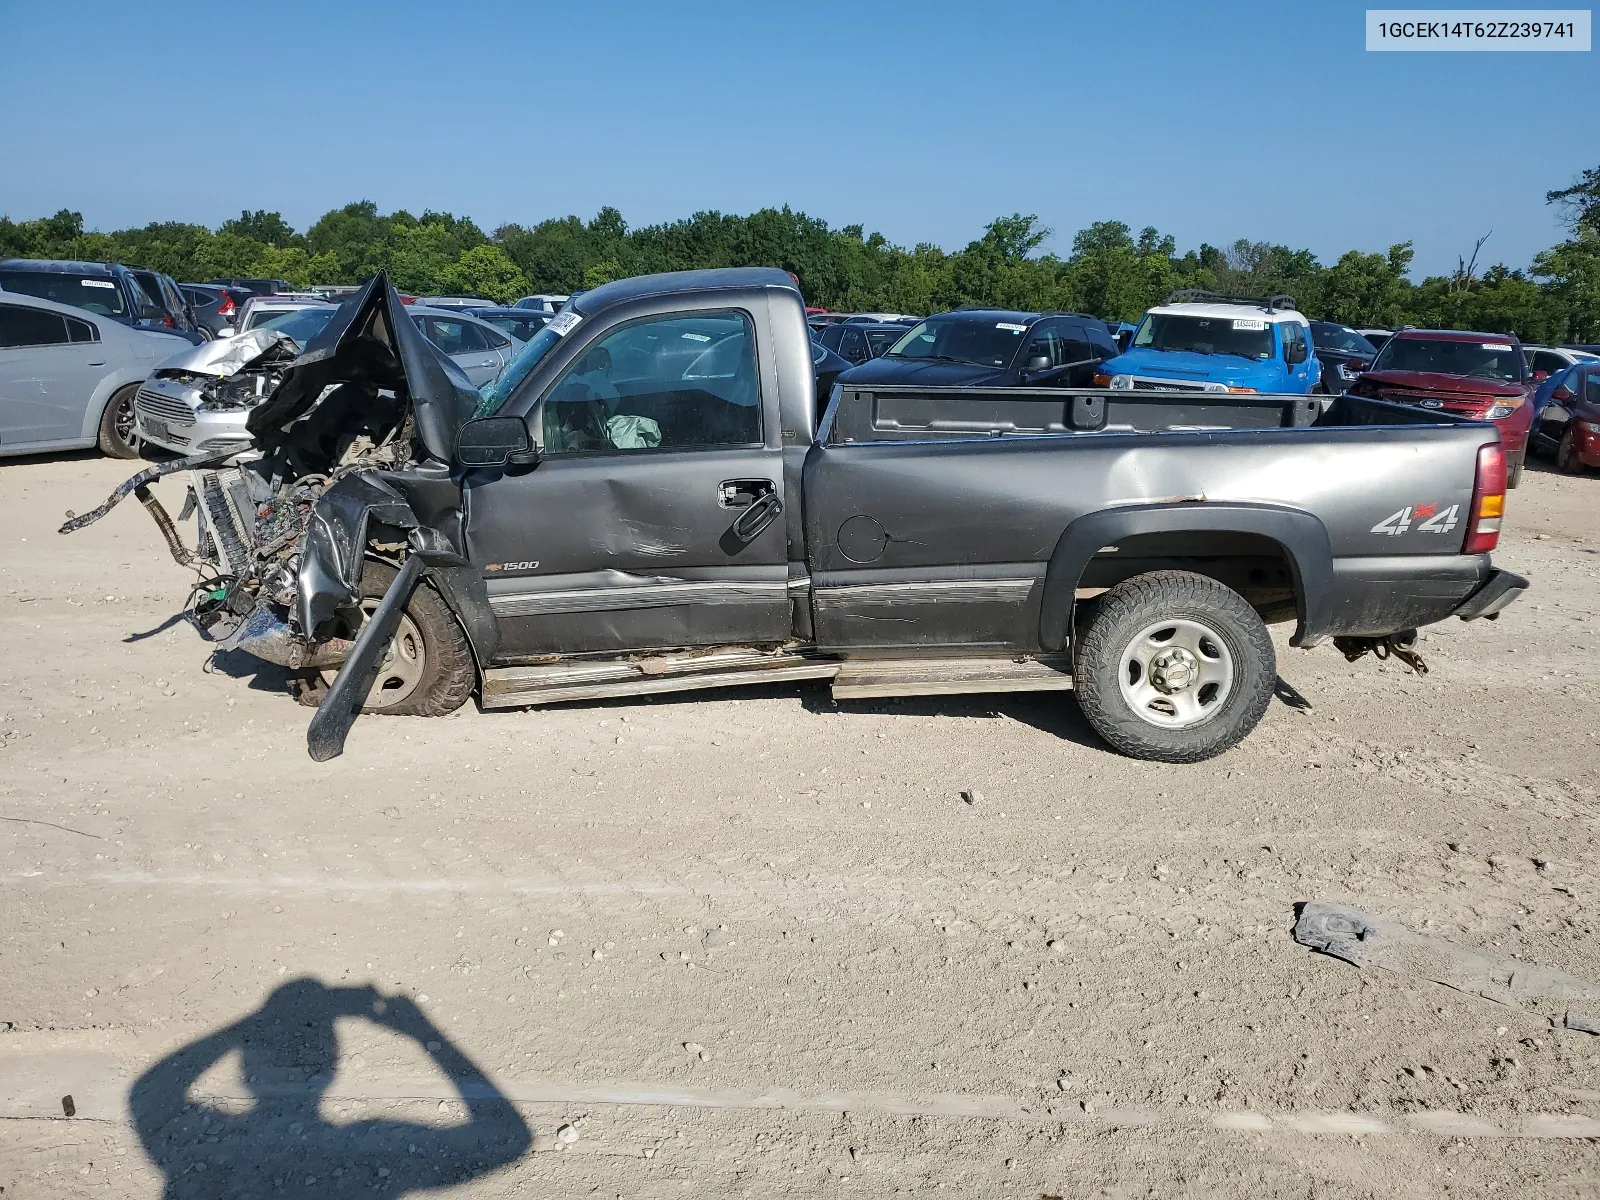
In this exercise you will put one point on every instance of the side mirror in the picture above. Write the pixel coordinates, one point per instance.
(1039, 362)
(1295, 354)
(1563, 393)
(494, 441)
(1540, 376)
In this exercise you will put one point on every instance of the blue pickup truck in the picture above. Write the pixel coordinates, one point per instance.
(1202, 342)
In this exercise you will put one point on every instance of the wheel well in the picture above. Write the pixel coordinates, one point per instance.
(1255, 566)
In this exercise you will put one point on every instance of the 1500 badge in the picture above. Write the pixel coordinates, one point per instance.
(516, 566)
(1429, 518)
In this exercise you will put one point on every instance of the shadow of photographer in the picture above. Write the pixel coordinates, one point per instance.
(283, 1145)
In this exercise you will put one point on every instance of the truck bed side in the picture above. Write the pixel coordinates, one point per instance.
(968, 519)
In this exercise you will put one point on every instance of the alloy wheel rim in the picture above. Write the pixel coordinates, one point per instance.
(1176, 674)
(122, 423)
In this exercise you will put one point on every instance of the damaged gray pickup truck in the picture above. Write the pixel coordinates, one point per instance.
(648, 499)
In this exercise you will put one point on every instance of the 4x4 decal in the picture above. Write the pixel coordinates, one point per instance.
(1429, 519)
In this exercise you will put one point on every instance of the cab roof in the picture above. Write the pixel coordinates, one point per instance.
(718, 279)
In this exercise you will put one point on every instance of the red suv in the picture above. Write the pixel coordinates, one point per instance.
(1480, 375)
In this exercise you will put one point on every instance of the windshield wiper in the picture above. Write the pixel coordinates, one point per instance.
(966, 362)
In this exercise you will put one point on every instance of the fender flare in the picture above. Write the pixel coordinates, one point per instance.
(1302, 537)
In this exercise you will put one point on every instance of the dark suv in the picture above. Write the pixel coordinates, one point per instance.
(105, 289)
(990, 347)
(177, 313)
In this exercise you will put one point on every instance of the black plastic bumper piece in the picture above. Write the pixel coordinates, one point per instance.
(331, 723)
(1499, 590)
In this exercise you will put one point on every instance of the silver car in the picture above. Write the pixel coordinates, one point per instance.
(68, 377)
(475, 346)
(200, 400)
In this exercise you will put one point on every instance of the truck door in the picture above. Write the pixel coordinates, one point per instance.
(653, 519)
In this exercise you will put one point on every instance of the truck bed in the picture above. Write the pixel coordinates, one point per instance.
(888, 414)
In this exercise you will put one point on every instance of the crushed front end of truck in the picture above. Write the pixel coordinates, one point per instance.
(355, 439)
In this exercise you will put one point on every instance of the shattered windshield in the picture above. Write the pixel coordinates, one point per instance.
(494, 392)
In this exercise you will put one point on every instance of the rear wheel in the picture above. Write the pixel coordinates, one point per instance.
(1174, 667)
(427, 669)
(1567, 460)
(117, 437)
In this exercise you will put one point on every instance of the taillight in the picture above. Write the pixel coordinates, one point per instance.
(1488, 500)
(227, 306)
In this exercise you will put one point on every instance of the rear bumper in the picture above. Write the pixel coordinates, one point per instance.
(1501, 589)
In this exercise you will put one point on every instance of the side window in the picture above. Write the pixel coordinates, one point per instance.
(1046, 340)
(496, 340)
(31, 327)
(1077, 347)
(680, 382)
(1591, 386)
(81, 331)
(831, 335)
(1549, 363)
(852, 345)
(1293, 335)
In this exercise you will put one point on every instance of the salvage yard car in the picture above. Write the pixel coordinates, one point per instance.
(1201, 342)
(649, 500)
(68, 377)
(991, 347)
(1483, 376)
(1566, 418)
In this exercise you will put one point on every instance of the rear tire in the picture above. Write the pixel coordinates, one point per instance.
(1567, 460)
(428, 670)
(1150, 634)
(117, 438)
(1514, 471)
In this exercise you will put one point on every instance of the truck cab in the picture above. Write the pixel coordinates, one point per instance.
(1202, 342)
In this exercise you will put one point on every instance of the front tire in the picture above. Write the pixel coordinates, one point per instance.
(117, 437)
(1514, 471)
(1174, 667)
(427, 670)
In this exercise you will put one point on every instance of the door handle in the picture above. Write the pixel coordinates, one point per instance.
(488, 362)
(750, 523)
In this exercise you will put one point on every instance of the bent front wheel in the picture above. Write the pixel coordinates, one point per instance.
(1174, 667)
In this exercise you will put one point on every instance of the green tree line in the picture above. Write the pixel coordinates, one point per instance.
(1111, 271)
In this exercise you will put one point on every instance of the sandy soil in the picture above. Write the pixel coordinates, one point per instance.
(791, 960)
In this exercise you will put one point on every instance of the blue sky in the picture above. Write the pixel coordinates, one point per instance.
(922, 121)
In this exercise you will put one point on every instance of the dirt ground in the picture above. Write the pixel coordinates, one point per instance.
(758, 944)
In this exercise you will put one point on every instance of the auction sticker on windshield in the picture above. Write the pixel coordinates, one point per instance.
(1015, 328)
(1249, 323)
(563, 323)
(105, 283)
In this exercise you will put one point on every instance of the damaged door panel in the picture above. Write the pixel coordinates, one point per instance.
(646, 500)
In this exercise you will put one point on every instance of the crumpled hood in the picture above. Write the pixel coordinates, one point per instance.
(1423, 382)
(225, 356)
(920, 372)
(371, 345)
